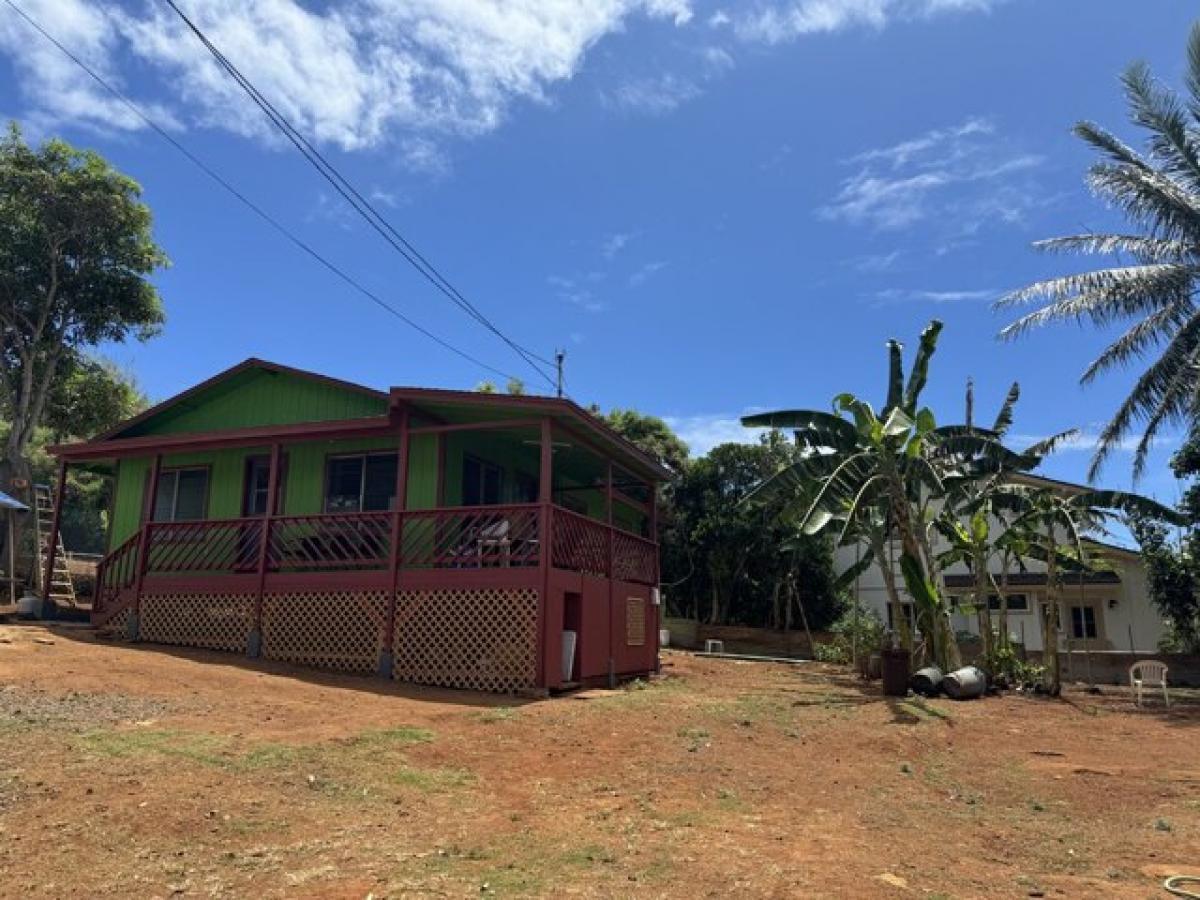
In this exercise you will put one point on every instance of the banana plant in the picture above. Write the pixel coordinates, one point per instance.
(1057, 524)
(876, 475)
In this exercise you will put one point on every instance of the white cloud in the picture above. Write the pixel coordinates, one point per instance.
(615, 243)
(876, 262)
(786, 21)
(365, 73)
(653, 95)
(962, 176)
(703, 432)
(647, 271)
(898, 295)
(666, 91)
(570, 290)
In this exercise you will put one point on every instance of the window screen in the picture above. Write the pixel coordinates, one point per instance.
(181, 495)
(1083, 622)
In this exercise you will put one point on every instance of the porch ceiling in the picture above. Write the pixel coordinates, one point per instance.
(586, 430)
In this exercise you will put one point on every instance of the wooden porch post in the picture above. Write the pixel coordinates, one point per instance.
(52, 538)
(387, 654)
(143, 560)
(254, 641)
(545, 559)
(612, 638)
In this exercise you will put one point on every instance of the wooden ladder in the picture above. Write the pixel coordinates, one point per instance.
(62, 588)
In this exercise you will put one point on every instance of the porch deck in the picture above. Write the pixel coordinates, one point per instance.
(429, 548)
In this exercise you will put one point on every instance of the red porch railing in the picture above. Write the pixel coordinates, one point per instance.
(329, 543)
(634, 558)
(115, 573)
(449, 538)
(220, 545)
(471, 537)
(579, 544)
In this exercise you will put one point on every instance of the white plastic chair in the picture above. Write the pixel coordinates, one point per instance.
(1149, 673)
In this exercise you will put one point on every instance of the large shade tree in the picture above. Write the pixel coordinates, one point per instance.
(76, 255)
(1150, 288)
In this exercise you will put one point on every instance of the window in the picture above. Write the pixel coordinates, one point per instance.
(482, 482)
(258, 485)
(1016, 602)
(1083, 622)
(526, 488)
(182, 495)
(365, 483)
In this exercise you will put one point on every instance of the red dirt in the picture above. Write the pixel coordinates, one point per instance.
(140, 771)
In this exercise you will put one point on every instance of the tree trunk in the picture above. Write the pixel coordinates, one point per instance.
(1052, 677)
(1005, 643)
(803, 617)
(899, 620)
(982, 612)
(776, 615)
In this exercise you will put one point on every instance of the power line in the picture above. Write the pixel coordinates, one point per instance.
(352, 196)
(259, 211)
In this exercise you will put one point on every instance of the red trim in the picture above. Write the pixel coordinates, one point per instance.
(246, 437)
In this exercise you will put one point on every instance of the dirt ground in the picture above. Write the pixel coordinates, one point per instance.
(146, 771)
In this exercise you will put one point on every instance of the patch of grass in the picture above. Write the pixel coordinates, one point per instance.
(496, 715)
(1162, 825)
(697, 738)
(398, 736)
(919, 709)
(432, 780)
(589, 854)
(201, 748)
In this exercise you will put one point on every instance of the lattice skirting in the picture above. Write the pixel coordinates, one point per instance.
(116, 627)
(328, 629)
(212, 621)
(482, 639)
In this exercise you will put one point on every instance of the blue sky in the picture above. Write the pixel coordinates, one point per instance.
(713, 207)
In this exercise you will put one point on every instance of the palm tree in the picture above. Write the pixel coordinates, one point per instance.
(1152, 286)
(876, 475)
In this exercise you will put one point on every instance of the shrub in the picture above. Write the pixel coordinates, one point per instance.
(864, 629)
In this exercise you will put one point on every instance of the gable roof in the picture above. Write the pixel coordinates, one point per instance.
(428, 400)
(248, 365)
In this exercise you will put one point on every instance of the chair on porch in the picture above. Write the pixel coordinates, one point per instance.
(493, 542)
(1149, 673)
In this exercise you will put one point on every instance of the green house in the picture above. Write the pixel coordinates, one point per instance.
(441, 537)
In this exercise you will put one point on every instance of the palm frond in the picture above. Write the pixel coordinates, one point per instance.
(1159, 111)
(1140, 338)
(1150, 198)
(1143, 248)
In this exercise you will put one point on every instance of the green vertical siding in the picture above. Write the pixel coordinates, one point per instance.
(422, 472)
(261, 397)
(304, 478)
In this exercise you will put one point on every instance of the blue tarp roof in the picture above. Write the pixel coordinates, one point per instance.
(7, 502)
